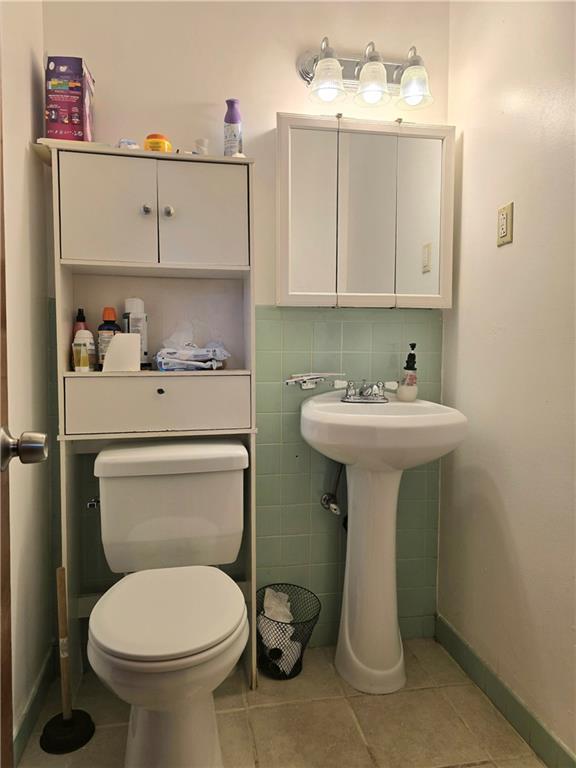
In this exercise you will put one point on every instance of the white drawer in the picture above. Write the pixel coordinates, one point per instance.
(111, 404)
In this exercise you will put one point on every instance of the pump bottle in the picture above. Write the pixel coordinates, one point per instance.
(408, 387)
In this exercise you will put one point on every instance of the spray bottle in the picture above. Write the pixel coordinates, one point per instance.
(232, 129)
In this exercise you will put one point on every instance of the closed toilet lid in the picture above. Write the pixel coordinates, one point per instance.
(168, 613)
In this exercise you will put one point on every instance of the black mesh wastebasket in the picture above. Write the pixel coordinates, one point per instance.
(281, 645)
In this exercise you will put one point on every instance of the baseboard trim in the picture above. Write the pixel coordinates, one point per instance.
(547, 747)
(25, 727)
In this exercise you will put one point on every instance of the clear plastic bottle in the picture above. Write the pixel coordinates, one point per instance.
(84, 336)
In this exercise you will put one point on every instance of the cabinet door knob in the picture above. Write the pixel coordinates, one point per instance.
(146, 209)
(168, 211)
(161, 390)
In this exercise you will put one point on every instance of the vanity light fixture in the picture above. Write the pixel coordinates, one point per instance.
(372, 80)
(414, 86)
(327, 86)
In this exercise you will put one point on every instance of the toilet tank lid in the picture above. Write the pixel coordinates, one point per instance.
(171, 457)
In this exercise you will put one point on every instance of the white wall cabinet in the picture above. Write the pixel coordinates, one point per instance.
(115, 208)
(203, 213)
(365, 213)
(108, 208)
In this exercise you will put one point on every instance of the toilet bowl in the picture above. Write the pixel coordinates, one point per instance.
(163, 640)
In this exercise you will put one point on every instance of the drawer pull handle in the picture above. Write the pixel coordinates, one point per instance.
(160, 391)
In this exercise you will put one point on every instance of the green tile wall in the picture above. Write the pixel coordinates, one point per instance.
(297, 540)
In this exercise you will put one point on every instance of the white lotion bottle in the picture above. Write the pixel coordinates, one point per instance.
(408, 386)
(136, 321)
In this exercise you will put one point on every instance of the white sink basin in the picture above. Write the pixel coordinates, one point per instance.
(381, 436)
(376, 441)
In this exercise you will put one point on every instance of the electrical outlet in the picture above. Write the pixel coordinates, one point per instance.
(426, 258)
(505, 229)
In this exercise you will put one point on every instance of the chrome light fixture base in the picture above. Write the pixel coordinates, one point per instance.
(351, 67)
(306, 63)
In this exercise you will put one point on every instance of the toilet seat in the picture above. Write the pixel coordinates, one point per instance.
(166, 614)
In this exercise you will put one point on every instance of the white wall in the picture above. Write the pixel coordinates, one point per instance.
(506, 573)
(507, 568)
(168, 67)
(21, 45)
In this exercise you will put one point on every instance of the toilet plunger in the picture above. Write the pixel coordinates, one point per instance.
(72, 728)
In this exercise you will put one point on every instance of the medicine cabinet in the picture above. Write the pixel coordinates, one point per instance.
(365, 213)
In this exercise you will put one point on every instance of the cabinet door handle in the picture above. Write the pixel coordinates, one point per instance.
(168, 211)
(160, 390)
(146, 209)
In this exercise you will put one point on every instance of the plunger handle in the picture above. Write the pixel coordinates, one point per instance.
(61, 598)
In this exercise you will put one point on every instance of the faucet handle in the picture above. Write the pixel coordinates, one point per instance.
(311, 380)
(350, 389)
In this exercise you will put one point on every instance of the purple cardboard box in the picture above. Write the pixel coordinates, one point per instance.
(69, 95)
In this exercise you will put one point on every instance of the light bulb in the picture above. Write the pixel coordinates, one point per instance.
(372, 85)
(327, 85)
(372, 95)
(414, 100)
(414, 87)
(327, 94)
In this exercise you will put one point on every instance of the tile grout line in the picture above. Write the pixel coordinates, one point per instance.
(467, 727)
(361, 732)
(253, 742)
(272, 704)
(351, 710)
(499, 717)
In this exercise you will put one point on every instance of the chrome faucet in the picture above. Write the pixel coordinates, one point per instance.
(366, 392)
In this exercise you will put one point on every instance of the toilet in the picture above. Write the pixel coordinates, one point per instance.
(171, 631)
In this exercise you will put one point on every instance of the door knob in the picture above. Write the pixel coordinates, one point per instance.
(30, 447)
(168, 211)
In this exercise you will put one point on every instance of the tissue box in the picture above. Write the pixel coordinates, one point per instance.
(69, 96)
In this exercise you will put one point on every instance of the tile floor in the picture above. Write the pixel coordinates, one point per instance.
(317, 721)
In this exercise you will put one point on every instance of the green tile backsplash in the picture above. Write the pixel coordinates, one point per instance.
(297, 540)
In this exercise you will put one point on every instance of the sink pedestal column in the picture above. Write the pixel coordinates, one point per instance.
(369, 655)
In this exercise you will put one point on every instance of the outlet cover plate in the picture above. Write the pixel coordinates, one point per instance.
(505, 228)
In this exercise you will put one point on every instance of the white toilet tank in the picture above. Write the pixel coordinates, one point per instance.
(171, 503)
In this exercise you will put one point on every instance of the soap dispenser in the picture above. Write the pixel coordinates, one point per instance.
(408, 387)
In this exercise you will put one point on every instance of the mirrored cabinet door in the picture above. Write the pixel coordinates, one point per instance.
(312, 220)
(418, 216)
(366, 219)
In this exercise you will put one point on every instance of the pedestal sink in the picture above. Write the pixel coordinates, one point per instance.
(376, 441)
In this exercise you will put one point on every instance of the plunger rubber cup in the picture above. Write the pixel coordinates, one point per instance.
(61, 736)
